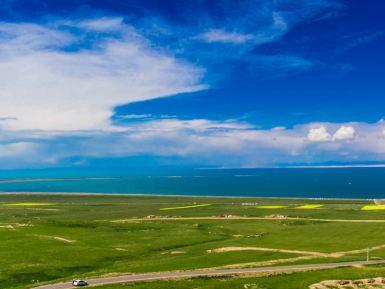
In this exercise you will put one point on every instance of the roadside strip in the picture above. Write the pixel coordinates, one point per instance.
(209, 272)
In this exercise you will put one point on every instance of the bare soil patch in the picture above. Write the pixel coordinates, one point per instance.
(61, 239)
(232, 249)
(371, 283)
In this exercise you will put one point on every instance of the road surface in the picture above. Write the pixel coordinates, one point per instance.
(207, 272)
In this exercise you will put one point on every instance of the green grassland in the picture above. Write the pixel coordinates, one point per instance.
(48, 238)
(298, 280)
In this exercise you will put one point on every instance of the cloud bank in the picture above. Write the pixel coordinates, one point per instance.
(229, 143)
(51, 80)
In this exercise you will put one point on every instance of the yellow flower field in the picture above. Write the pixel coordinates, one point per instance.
(310, 206)
(373, 207)
(30, 204)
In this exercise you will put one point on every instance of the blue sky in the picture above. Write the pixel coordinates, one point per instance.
(197, 83)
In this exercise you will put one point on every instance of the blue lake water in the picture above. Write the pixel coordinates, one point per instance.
(310, 183)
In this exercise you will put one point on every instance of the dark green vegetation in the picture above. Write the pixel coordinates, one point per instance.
(59, 237)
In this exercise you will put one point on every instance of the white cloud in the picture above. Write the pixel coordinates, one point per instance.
(222, 143)
(217, 35)
(241, 144)
(17, 149)
(103, 24)
(344, 133)
(135, 116)
(319, 134)
(22, 38)
(46, 87)
(228, 141)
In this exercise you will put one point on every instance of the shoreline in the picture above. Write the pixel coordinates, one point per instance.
(181, 196)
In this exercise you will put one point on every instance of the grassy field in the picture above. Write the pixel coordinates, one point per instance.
(298, 280)
(46, 238)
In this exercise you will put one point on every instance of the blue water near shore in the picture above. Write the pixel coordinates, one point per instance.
(310, 182)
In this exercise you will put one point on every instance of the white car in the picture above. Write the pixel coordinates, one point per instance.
(79, 283)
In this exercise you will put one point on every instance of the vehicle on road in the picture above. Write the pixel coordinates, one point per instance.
(79, 283)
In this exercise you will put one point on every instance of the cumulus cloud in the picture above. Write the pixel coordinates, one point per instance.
(45, 86)
(344, 133)
(319, 134)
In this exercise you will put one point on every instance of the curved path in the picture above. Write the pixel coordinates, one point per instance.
(208, 272)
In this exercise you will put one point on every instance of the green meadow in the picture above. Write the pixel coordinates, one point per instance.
(51, 238)
(297, 280)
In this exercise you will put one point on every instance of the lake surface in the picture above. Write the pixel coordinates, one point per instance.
(309, 182)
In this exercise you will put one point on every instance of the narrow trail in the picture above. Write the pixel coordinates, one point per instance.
(299, 252)
(307, 255)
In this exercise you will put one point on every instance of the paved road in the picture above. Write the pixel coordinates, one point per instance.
(208, 272)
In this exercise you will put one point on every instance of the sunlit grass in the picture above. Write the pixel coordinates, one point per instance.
(272, 207)
(30, 204)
